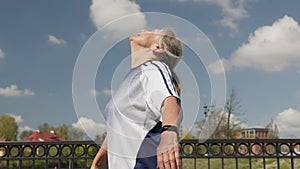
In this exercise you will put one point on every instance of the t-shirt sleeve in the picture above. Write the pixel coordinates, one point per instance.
(158, 85)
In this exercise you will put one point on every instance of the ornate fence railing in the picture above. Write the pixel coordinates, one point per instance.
(241, 153)
(211, 154)
(60, 154)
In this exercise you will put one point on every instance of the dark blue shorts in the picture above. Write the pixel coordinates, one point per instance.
(147, 158)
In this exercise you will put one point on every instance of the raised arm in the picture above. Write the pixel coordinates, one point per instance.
(168, 150)
(101, 158)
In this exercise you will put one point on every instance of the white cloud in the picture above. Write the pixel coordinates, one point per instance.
(288, 123)
(107, 92)
(271, 48)
(104, 11)
(28, 92)
(57, 41)
(232, 11)
(18, 118)
(90, 127)
(234, 119)
(13, 90)
(94, 92)
(2, 54)
(220, 66)
(22, 128)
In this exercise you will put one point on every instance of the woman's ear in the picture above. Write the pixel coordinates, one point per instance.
(158, 50)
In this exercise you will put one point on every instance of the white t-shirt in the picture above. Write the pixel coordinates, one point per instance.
(134, 110)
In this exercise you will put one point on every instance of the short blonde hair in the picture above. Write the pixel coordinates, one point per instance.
(172, 46)
(173, 52)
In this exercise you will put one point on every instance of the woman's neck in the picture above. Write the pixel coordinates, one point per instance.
(141, 55)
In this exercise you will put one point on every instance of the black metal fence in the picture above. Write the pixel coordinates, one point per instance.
(212, 154)
(241, 154)
(60, 154)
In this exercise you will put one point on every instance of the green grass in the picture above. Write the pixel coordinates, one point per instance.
(201, 163)
(242, 163)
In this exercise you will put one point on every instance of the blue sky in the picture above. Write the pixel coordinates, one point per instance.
(257, 40)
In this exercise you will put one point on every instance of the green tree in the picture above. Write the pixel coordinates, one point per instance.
(62, 131)
(45, 127)
(8, 128)
(25, 133)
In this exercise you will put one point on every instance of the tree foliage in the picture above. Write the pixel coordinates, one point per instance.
(220, 124)
(45, 127)
(213, 126)
(25, 133)
(232, 107)
(272, 130)
(8, 128)
(62, 131)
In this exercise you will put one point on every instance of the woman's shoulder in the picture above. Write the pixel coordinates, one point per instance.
(155, 65)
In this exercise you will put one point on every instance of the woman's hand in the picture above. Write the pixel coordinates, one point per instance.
(100, 159)
(168, 151)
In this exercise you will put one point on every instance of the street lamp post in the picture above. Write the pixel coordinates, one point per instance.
(207, 111)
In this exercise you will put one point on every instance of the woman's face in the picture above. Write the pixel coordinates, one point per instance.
(144, 39)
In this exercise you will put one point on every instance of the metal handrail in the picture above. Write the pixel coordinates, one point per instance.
(72, 154)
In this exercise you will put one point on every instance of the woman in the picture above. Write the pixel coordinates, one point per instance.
(143, 115)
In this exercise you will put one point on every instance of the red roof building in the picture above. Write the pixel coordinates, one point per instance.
(43, 136)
